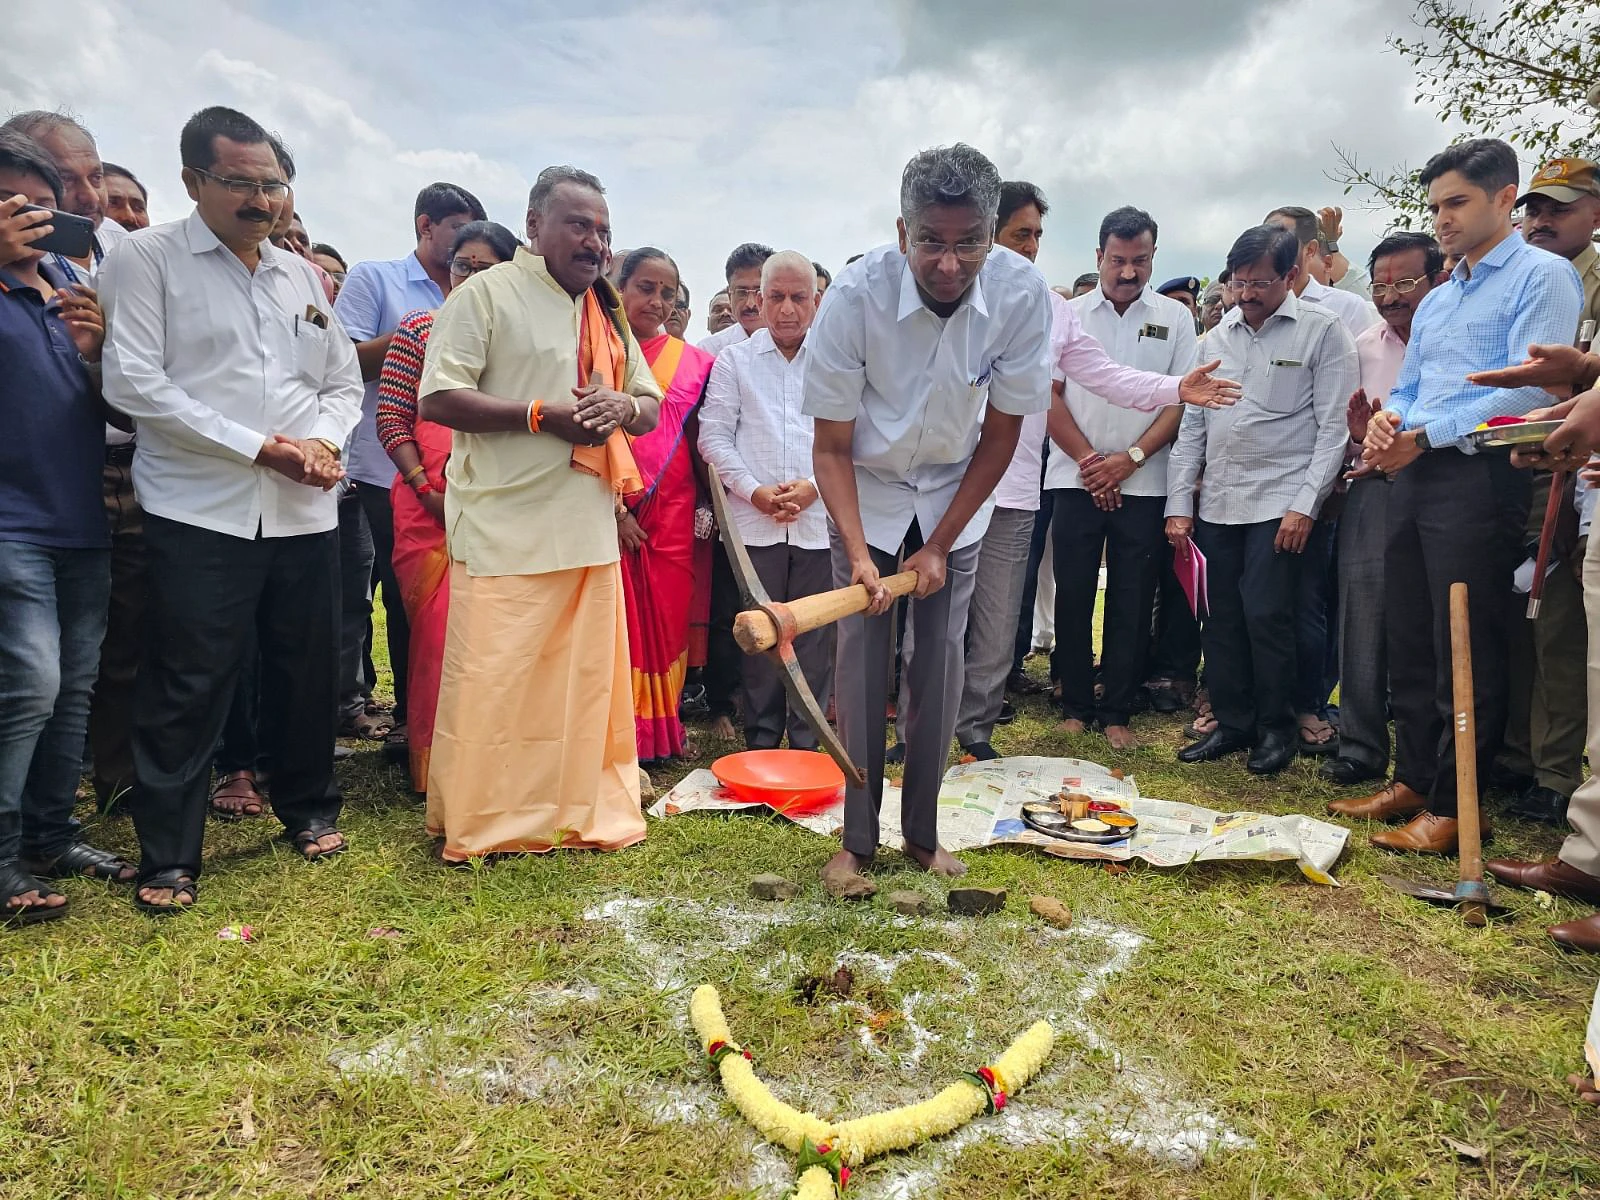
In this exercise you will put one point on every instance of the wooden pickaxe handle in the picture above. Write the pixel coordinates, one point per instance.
(1470, 832)
(756, 631)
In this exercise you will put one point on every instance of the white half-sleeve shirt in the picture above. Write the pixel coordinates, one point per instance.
(917, 385)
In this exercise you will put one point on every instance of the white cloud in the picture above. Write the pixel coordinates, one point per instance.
(722, 122)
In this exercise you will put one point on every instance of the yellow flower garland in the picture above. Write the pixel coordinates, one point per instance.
(865, 1137)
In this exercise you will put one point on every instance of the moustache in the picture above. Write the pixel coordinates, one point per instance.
(1541, 231)
(584, 257)
(254, 214)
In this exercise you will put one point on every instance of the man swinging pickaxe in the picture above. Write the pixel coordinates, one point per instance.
(769, 626)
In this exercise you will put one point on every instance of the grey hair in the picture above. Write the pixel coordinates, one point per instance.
(791, 260)
(553, 177)
(955, 175)
(36, 123)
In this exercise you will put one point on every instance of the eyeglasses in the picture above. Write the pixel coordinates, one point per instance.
(464, 267)
(1400, 287)
(272, 189)
(743, 295)
(967, 252)
(1254, 285)
(680, 306)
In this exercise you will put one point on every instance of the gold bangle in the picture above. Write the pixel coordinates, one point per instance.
(412, 474)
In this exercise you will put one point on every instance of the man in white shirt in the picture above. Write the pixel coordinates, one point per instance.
(743, 273)
(753, 432)
(1108, 482)
(924, 359)
(72, 149)
(221, 347)
(1269, 464)
(1355, 311)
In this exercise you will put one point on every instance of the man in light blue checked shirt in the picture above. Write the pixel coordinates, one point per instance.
(1455, 515)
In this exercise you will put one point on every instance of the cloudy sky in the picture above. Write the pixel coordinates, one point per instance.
(714, 122)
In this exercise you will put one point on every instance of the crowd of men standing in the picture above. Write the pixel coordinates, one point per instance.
(226, 442)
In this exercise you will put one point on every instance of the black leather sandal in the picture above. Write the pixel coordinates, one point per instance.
(14, 882)
(83, 860)
(179, 881)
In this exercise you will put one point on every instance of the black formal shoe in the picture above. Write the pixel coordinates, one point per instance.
(895, 753)
(1219, 743)
(1503, 779)
(1165, 696)
(1019, 683)
(1007, 715)
(1540, 803)
(1346, 772)
(1272, 754)
(981, 751)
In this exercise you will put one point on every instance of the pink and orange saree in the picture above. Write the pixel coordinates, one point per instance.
(660, 579)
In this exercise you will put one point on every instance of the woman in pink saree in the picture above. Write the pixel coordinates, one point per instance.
(419, 450)
(657, 530)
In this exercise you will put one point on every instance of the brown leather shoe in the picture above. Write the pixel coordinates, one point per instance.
(1582, 934)
(1393, 802)
(1555, 877)
(1423, 834)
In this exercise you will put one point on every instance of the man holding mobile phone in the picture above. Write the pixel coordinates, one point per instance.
(76, 158)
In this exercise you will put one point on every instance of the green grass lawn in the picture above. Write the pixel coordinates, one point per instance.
(523, 1036)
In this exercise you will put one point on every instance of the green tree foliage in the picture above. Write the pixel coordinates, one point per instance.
(1522, 72)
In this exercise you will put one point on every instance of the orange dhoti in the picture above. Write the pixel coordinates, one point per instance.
(534, 743)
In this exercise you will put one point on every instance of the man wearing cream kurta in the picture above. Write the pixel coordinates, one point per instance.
(534, 368)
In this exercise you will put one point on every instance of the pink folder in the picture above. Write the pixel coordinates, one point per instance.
(1190, 566)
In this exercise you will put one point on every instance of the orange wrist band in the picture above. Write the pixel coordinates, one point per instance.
(535, 415)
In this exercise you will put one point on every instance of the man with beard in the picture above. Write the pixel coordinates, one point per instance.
(244, 388)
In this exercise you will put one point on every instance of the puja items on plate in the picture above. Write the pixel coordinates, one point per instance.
(1075, 817)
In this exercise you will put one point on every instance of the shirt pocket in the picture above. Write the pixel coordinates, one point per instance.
(1286, 387)
(310, 353)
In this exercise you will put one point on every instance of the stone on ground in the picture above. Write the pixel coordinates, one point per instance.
(976, 901)
(647, 788)
(910, 904)
(842, 886)
(773, 887)
(1052, 911)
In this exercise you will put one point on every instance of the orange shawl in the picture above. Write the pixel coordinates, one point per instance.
(603, 360)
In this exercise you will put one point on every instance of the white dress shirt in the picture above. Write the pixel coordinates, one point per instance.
(1355, 311)
(753, 432)
(1279, 449)
(917, 385)
(212, 359)
(718, 342)
(1156, 333)
(1019, 487)
(1082, 359)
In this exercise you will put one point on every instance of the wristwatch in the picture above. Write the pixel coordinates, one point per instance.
(1422, 439)
(1331, 246)
(1137, 455)
(332, 448)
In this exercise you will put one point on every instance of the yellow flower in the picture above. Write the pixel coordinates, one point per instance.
(815, 1184)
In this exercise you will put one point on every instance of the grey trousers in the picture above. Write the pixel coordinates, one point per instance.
(932, 674)
(1363, 651)
(992, 621)
(788, 572)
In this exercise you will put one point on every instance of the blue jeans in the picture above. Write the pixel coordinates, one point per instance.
(52, 618)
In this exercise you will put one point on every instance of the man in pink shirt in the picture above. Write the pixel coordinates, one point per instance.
(1405, 267)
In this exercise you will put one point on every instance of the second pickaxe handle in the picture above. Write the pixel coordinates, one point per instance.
(755, 630)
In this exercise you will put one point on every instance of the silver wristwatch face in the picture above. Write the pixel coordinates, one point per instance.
(1137, 455)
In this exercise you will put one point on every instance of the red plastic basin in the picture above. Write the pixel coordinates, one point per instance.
(794, 782)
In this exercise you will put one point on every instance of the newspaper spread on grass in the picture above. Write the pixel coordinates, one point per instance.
(980, 804)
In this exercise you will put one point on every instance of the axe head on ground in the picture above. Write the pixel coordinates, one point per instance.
(755, 596)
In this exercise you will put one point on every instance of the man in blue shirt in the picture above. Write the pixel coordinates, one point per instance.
(55, 546)
(1455, 515)
(374, 297)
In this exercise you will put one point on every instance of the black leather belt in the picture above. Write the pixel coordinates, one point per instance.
(120, 456)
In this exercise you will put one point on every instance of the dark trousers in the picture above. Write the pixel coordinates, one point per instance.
(208, 591)
(788, 572)
(240, 748)
(1363, 649)
(356, 673)
(1249, 631)
(1130, 539)
(1453, 518)
(1314, 632)
(380, 521)
(111, 709)
(724, 660)
(1030, 580)
(1175, 649)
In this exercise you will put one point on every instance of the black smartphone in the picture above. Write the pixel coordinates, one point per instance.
(70, 235)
